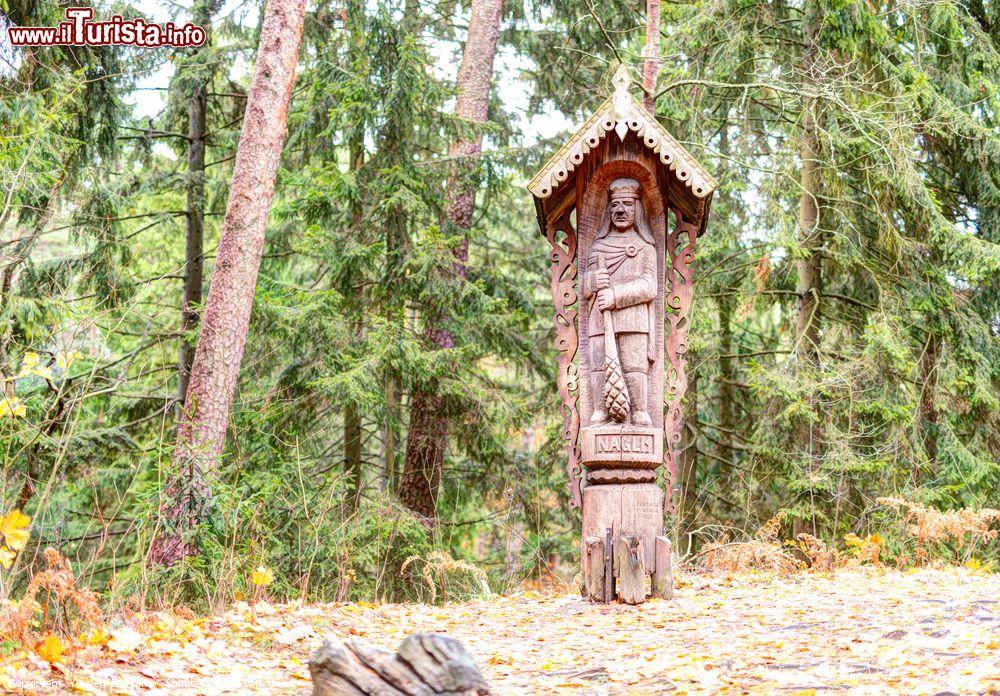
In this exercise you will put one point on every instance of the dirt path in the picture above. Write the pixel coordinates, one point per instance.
(859, 631)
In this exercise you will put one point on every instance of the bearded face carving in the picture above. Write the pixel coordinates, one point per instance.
(620, 290)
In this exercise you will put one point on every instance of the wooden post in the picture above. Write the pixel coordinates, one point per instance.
(631, 569)
(593, 569)
(663, 570)
(622, 175)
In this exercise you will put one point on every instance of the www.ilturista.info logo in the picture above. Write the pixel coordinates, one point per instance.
(78, 30)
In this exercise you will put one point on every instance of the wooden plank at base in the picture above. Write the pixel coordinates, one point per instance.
(593, 568)
(631, 569)
(609, 575)
(663, 570)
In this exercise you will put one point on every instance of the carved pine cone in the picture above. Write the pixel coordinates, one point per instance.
(615, 391)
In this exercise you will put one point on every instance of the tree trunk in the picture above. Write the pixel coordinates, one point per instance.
(425, 446)
(424, 461)
(651, 65)
(216, 366)
(392, 408)
(352, 453)
(726, 301)
(396, 148)
(726, 377)
(194, 256)
(352, 415)
(928, 399)
(810, 265)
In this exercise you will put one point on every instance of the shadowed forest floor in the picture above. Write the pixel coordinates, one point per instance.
(857, 631)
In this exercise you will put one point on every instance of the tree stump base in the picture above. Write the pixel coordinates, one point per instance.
(624, 549)
(425, 664)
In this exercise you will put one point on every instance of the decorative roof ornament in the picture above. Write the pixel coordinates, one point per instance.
(621, 99)
(622, 113)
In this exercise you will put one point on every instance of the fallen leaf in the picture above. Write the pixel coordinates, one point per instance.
(50, 649)
(294, 634)
(14, 529)
(262, 577)
(125, 640)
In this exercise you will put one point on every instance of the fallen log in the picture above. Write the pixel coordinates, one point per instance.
(425, 664)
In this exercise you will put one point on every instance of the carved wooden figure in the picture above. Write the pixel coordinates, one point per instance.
(622, 288)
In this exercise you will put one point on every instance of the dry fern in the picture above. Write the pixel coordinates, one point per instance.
(764, 552)
(965, 526)
(770, 530)
(65, 608)
(821, 557)
(740, 557)
(454, 577)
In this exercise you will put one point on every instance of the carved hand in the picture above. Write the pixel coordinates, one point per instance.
(602, 279)
(605, 299)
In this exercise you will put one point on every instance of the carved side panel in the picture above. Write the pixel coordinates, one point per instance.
(680, 249)
(562, 239)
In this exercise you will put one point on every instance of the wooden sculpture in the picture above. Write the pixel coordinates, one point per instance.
(621, 174)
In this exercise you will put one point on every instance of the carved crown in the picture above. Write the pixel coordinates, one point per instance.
(624, 188)
(621, 113)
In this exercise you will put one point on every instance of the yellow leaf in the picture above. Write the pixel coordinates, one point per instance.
(28, 362)
(6, 557)
(50, 648)
(14, 529)
(366, 605)
(262, 576)
(973, 563)
(11, 407)
(66, 358)
(98, 637)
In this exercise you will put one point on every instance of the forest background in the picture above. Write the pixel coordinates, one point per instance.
(845, 345)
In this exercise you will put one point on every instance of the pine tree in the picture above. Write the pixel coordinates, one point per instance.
(428, 433)
(219, 354)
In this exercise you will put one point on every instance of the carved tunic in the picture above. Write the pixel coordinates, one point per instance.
(631, 264)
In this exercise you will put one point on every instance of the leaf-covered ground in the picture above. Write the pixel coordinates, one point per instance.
(857, 631)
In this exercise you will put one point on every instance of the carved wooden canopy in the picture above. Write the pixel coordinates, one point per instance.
(621, 114)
